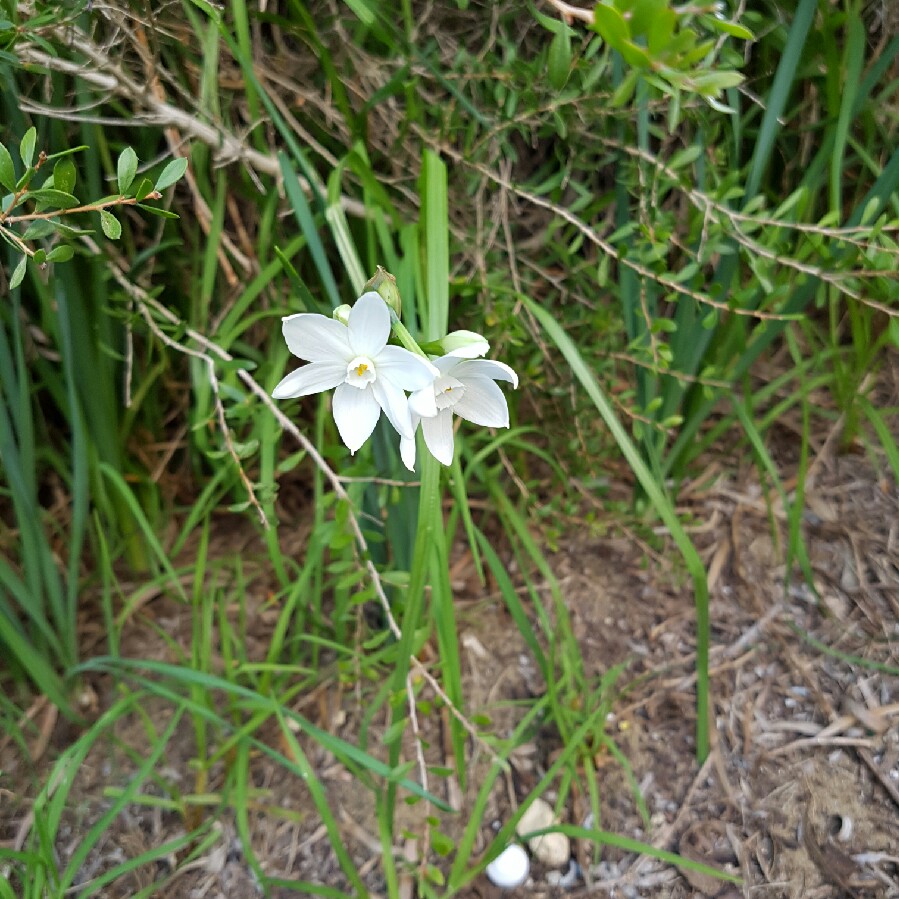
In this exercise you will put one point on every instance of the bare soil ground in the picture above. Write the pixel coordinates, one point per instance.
(799, 797)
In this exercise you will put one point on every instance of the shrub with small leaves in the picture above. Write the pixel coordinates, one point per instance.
(40, 221)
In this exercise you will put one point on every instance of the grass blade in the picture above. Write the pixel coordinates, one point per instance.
(663, 506)
(435, 216)
(776, 101)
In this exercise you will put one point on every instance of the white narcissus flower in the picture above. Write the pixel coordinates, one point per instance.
(369, 374)
(464, 387)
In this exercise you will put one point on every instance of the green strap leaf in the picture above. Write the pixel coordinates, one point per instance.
(662, 503)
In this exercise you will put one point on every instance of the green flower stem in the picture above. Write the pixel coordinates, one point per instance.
(403, 335)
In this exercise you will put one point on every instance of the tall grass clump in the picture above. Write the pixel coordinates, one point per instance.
(643, 209)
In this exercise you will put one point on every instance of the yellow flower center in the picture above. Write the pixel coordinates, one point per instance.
(360, 372)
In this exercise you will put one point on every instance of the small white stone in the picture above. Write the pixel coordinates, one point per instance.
(552, 849)
(510, 868)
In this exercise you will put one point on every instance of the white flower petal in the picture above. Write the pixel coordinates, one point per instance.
(423, 403)
(395, 405)
(445, 364)
(465, 345)
(369, 325)
(356, 412)
(483, 403)
(407, 452)
(438, 434)
(486, 368)
(313, 378)
(405, 369)
(316, 338)
(447, 391)
(407, 447)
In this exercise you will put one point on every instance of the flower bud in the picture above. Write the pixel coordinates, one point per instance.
(464, 345)
(385, 285)
(342, 313)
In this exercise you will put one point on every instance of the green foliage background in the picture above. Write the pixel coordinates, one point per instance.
(676, 226)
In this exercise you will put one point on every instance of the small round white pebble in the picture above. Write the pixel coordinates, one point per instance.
(510, 868)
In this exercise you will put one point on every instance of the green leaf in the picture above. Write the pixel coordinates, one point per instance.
(62, 253)
(611, 25)
(38, 229)
(64, 175)
(68, 152)
(40, 257)
(559, 61)
(25, 180)
(26, 148)
(209, 9)
(49, 196)
(685, 157)
(643, 15)
(550, 23)
(144, 188)
(660, 32)
(238, 365)
(625, 90)
(245, 450)
(668, 325)
(711, 83)
(126, 169)
(173, 172)
(69, 230)
(635, 55)
(18, 273)
(726, 27)
(111, 226)
(363, 11)
(694, 55)
(155, 210)
(441, 843)
(7, 170)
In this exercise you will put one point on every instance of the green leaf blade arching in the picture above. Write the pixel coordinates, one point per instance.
(662, 503)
